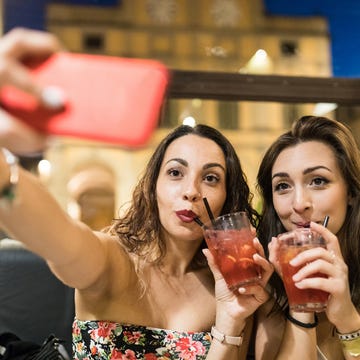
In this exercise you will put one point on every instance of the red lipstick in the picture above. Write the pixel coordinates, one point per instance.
(186, 215)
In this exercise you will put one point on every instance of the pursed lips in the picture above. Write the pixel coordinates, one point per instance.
(305, 224)
(301, 224)
(186, 216)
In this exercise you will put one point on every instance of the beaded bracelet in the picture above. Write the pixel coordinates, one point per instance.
(350, 342)
(8, 192)
(349, 336)
(300, 323)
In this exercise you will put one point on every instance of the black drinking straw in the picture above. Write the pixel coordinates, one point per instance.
(211, 216)
(326, 220)
(198, 221)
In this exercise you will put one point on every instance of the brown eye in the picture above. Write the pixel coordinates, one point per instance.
(211, 179)
(174, 173)
(319, 181)
(281, 187)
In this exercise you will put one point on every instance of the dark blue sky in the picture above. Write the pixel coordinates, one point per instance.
(344, 25)
(343, 18)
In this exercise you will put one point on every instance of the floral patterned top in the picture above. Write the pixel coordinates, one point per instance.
(105, 340)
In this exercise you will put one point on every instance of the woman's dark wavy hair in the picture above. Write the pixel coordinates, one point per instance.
(340, 139)
(139, 229)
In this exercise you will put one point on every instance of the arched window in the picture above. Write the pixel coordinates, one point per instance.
(92, 190)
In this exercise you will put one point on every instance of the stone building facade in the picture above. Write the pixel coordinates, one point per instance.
(206, 35)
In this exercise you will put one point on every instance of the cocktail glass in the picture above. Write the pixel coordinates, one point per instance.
(230, 240)
(291, 244)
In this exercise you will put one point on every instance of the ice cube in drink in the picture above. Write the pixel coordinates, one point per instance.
(233, 251)
(301, 300)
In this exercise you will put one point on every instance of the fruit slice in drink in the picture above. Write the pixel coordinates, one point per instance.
(302, 300)
(233, 252)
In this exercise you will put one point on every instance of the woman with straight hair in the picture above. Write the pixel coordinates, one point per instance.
(310, 172)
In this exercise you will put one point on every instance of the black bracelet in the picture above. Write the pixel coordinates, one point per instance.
(8, 192)
(300, 323)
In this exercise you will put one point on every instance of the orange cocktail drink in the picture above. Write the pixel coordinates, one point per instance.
(291, 244)
(230, 240)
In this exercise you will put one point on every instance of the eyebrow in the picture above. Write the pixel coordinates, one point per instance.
(306, 171)
(205, 167)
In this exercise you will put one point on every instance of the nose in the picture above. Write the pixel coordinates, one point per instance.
(192, 193)
(192, 196)
(301, 200)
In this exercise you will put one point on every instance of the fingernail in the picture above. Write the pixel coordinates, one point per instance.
(242, 290)
(53, 97)
(205, 251)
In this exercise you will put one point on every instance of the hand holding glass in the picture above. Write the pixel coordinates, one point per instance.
(291, 244)
(230, 241)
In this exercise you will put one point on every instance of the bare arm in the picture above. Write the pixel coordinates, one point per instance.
(234, 311)
(74, 252)
(296, 342)
(76, 255)
(341, 311)
(229, 321)
(79, 257)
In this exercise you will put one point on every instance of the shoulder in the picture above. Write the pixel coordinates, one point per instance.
(116, 266)
(116, 253)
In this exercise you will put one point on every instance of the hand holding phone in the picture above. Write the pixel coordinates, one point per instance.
(108, 99)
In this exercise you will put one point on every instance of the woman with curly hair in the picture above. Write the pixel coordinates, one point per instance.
(146, 288)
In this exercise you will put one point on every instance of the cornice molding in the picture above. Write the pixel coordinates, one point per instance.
(288, 89)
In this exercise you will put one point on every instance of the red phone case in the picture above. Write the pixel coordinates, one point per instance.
(108, 99)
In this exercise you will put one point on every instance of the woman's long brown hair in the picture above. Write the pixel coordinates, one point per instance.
(340, 139)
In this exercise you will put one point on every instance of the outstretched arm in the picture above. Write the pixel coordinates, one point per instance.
(77, 255)
(36, 219)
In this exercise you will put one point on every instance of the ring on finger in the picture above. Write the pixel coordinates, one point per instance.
(332, 256)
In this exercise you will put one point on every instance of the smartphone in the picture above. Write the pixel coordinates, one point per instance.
(109, 99)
